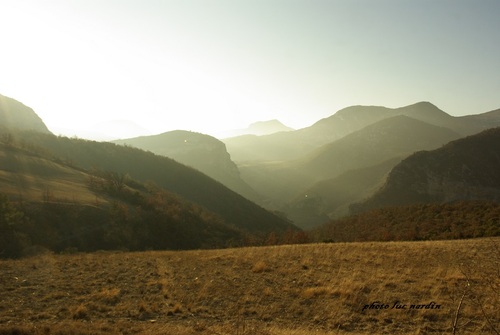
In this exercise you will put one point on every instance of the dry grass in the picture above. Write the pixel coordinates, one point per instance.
(297, 290)
(34, 178)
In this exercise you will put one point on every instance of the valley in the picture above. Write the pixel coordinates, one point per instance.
(249, 167)
(319, 173)
(339, 174)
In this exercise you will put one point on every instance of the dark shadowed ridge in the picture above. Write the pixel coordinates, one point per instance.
(465, 169)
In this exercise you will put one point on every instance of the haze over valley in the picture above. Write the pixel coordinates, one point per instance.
(249, 167)
(306, 177)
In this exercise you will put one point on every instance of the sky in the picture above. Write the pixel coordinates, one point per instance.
(214, 65)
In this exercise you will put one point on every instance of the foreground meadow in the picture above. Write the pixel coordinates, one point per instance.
(439, 287)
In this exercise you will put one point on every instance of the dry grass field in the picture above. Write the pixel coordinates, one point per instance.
(439, 287)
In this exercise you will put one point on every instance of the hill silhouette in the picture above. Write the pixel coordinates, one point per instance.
(267, 127)
(202, 152)
(295, 144)
(260, 128)
(14, 114)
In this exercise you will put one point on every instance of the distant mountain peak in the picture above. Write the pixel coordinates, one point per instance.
(261, 128)
(421, 107)
(266, 123)
(423, 104)
(267, 127)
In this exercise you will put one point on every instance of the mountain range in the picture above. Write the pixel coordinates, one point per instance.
(308, 177)
(359, 159)
(295, 144)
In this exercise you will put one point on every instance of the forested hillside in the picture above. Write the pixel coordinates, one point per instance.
(63, 194)
(457, 220)
(166, 173)
(48, 205)
(465, 169)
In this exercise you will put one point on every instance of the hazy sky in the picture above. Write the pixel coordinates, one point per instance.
(210, 65)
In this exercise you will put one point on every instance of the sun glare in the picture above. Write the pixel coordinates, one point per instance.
(166, 65)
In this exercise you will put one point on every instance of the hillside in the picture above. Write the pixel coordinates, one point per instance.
(202, 152)
(465, 169)
(33, 177)
(14, 114)
(480, 122)
(47, 204)
(318, 289)
(415, 222)
(397, 136)
(162, 171)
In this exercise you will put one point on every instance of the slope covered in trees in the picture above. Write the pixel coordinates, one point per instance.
(464, 219)
(465, 169)
(166, 173)
(50, 205)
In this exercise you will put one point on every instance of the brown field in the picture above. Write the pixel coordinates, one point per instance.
(296, 289)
